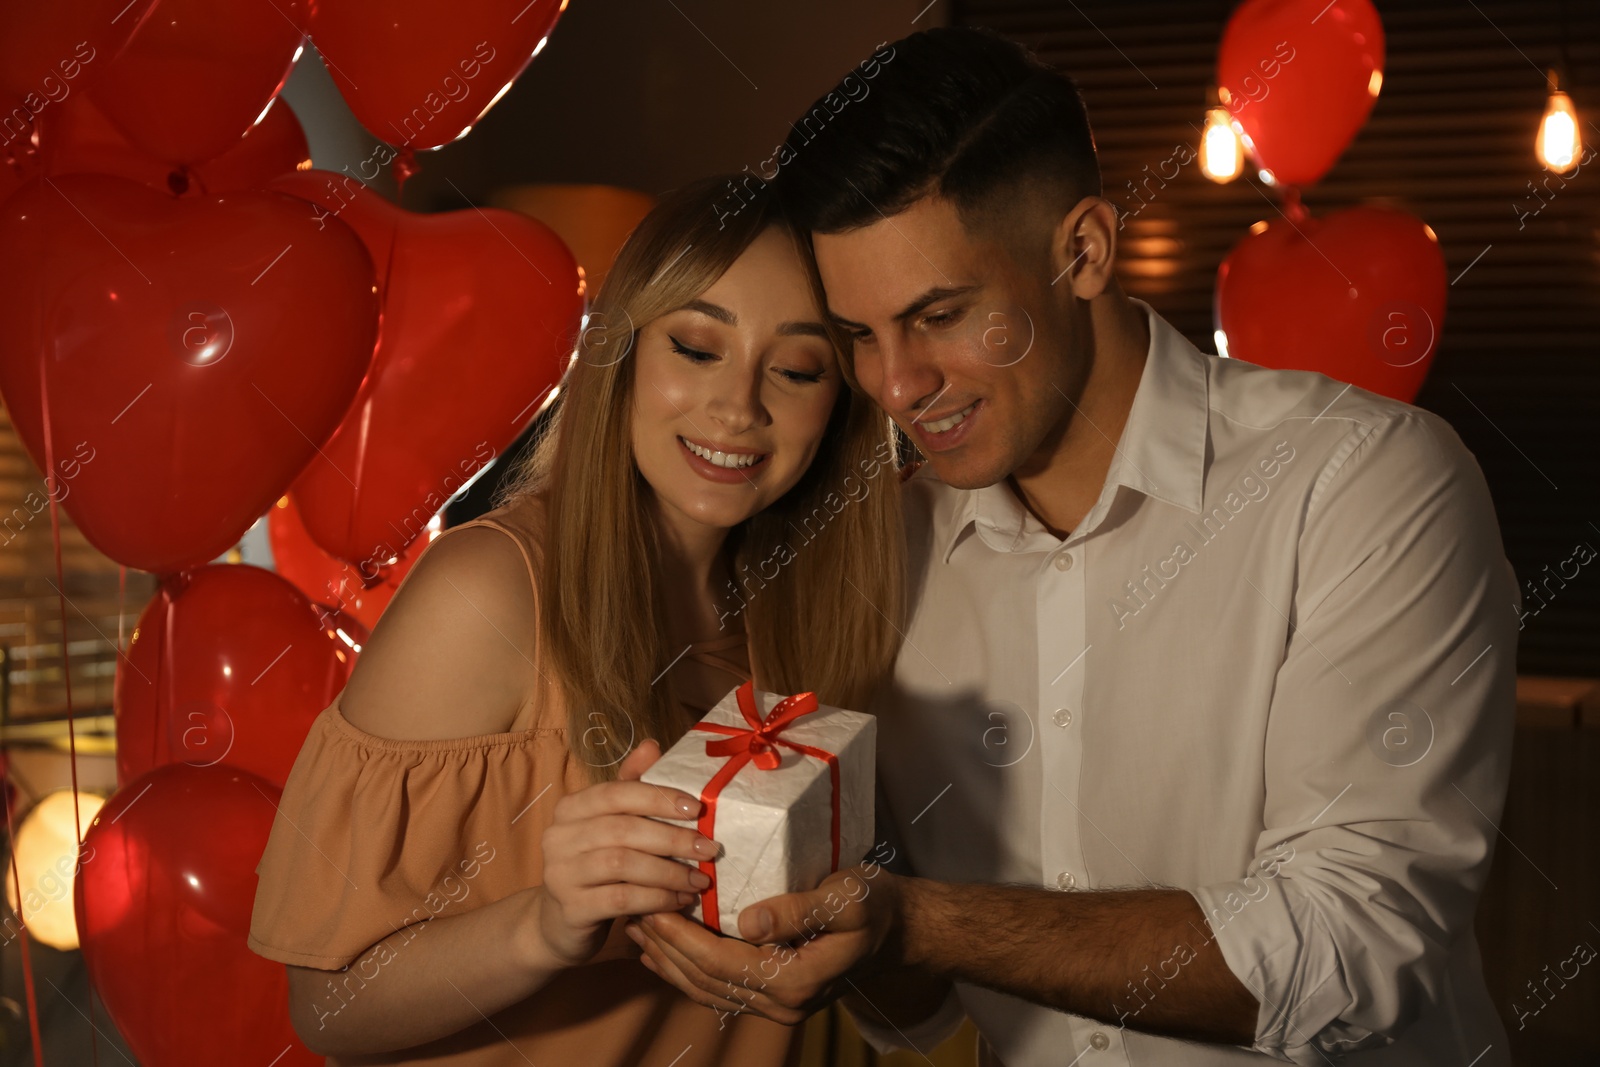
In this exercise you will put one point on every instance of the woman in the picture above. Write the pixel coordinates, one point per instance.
(712, 501)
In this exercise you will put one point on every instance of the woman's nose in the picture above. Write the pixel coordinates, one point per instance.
(735, 402)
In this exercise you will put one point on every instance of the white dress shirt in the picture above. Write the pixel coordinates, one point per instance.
(1273, 666)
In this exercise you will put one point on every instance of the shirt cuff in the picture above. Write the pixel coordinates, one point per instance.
(1277, 944)
(922, 1037)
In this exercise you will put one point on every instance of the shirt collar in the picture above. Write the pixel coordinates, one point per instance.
(1161, 452)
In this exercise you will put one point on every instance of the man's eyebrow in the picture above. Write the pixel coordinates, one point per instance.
(920, 303)
(932, 296)
(723, 315)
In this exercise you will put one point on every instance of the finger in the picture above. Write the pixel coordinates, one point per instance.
(627, 798)
(720, 959)
(653, 958)
(792, 915)
(606, 865)
(642, 835)
(742, 994)
(639, 760)
(584, 907)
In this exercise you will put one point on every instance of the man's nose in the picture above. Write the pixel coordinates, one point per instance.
(911, 378)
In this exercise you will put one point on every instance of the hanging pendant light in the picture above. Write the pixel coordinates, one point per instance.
(1221, 152)
(1560, 141)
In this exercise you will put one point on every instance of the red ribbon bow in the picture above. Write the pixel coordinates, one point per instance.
(756, 744)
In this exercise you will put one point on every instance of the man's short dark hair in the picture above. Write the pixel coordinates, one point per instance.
(963, 114)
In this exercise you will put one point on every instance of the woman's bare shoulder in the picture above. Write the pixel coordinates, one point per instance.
(453, 653)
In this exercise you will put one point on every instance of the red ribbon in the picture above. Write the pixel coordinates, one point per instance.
(756, 744)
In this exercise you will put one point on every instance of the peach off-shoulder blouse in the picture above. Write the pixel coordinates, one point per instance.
(374, 836)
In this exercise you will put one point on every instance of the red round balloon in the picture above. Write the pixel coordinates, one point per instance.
(228, 664)
(480, 312)
(419, 77)
(163, 899)
(331, 581)
(79, 139)
(197, 351)
(1358, 296)
(199, 74)
(1300, 78)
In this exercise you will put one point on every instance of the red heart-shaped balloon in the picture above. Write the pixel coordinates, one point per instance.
(1358, 296)
(50, 50)
(1300, 78)
(480, 312)
(229, 664)
(332, 581)
(78, 139)
(197, 352)
(419, 76)
(200, 73)
(163, 899)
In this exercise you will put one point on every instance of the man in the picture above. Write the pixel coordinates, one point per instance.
(1202, 723)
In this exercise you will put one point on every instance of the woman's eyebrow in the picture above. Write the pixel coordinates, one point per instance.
(723, 315)
(715, 311)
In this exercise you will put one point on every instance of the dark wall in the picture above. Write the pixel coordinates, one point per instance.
(650, 95)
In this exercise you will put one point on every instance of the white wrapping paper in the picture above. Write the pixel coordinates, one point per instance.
(774, 825)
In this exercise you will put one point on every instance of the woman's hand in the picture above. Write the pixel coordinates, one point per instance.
(605, 857)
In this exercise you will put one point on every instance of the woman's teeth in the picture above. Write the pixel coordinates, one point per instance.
(724, 459)
(944, 424)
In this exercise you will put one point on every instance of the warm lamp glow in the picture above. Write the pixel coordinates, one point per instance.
(1559, 142)
(45, 856)
(1221, 154)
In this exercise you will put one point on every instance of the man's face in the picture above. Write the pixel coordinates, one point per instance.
(972, 353)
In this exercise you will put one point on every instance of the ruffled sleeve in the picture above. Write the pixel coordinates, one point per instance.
(375, 835)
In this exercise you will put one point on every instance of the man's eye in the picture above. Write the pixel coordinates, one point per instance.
(860, 337)
(941, 318)
(693, 355)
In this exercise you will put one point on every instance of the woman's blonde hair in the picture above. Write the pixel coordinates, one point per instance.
(819, 572)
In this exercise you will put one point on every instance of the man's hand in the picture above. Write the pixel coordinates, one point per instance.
(807, 947)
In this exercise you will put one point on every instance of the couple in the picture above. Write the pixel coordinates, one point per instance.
(1194, 679)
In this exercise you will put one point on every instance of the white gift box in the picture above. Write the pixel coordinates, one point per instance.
(775, 825)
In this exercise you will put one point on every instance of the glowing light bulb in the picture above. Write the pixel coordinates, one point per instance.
(46, 860)
(1221, 154)
(1559, 142)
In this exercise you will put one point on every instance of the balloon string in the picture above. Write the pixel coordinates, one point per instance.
(27, 958)
(66, 659)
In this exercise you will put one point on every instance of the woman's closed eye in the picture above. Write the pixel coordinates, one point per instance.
(693, 355)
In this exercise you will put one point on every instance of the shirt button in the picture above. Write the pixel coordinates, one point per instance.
(1062, 717)
(1065, 880)
(1100, 1041)
(1064, 562)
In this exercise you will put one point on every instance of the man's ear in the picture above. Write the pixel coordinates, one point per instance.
(1083, 247)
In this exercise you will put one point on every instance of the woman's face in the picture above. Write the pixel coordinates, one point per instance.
(732, 392)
